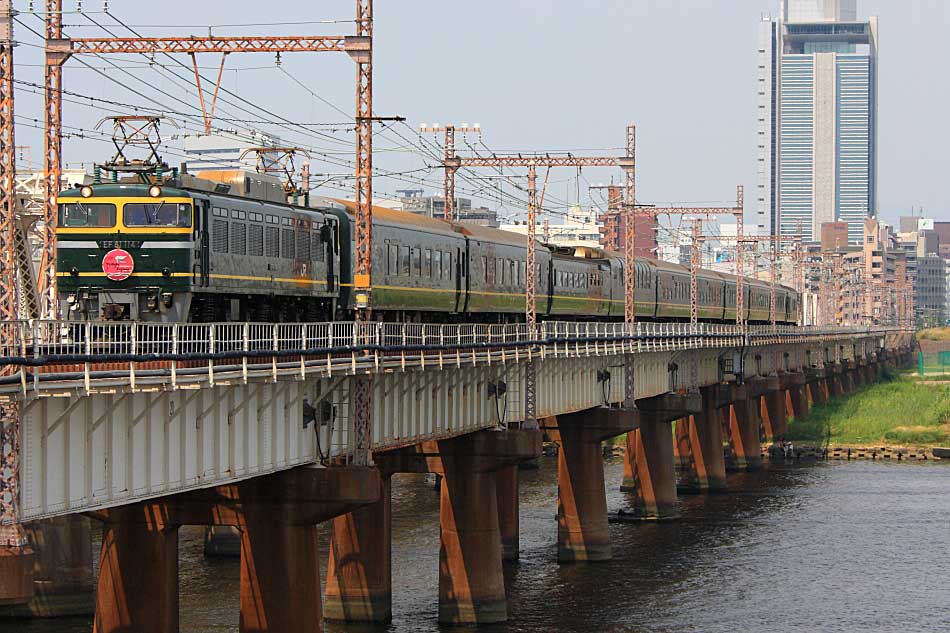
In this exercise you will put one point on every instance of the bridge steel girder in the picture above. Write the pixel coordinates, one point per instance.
(147, 440)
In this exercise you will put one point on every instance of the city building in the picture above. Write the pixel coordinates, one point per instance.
(922, 240)
(415, 201)
(817, 119)
(930, 291)
(579, 228)
(613, 232)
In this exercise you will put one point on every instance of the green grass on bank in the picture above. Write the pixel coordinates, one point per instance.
(896, 412)
(934, 334)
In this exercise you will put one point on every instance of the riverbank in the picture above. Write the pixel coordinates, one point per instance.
(896, 412)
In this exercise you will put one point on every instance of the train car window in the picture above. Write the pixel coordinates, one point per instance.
(272, 242)
(255, 217)
(485, 268)
(255, 240)
(318, 252)
(303, 245)
(287, 243)
(218, 212)
(392, 257)
(238, 215)
(86, 215)
(437, 264)
(427, 264)
(417, 262)
(139, 214)
(286, 221)
(219, 236)
(238, 238)
(512, 273)
(273, 219)
(404, 258)
(447, 265)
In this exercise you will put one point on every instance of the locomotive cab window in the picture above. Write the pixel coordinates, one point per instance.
(143, 214)
(80, 215)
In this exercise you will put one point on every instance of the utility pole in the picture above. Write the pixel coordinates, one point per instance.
(695, 263)
(630, 265)
(11, 532)
(450, 161)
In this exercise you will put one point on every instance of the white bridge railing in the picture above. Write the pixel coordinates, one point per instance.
(48, 355)
(36, 343)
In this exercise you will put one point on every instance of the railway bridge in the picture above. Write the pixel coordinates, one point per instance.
(147, 427)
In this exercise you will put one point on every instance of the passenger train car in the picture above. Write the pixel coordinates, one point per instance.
(227, 246)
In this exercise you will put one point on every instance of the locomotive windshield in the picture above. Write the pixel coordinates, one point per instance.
(86, 215)
(139, 214)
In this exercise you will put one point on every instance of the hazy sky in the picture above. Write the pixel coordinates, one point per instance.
(538, 76)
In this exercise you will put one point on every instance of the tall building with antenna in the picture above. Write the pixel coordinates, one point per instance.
(817, 119)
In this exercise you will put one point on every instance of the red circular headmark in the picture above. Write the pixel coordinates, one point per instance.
(118, 264)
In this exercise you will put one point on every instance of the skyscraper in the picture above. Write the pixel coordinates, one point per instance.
(817, 111)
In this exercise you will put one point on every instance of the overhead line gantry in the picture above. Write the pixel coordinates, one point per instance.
(532, 162)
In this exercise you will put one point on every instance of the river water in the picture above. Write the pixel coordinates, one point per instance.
(835, 546)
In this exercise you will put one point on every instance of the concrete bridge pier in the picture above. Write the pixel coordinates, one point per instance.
(681, 456)
(359, 570)
(707, 463)
(650, 458)
(850, 374)
(816, 384)
(138, 571)
(506, 493)
(744, 423)
(471, 578)
(796, 391)
(836, 387)
(280, 572)
(582, 530)
(471, 575)
(53, 576)
(16, 578)
(222, 541)
(847, 377)
(773, 411)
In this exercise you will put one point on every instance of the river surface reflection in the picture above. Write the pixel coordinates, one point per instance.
(830, 547)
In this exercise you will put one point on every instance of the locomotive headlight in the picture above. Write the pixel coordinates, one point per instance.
(167, 299)
(71, 299)
(85, 191)
(152, 303)
(155, 191)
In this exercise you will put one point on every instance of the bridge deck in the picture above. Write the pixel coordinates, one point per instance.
(116, 412)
